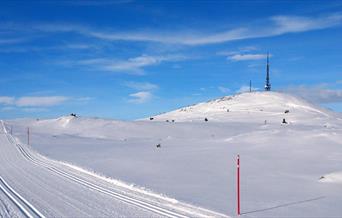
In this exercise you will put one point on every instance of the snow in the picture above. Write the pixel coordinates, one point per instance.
(281, 164)
(335, 177)
(40, 187)
(248, 107)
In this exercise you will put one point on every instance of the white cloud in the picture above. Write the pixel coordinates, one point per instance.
(34, 109)
(242, 54)
(317, 94)
(132, 65)
(142, 85)
(140, 97)
(226, 53)
(40, 101)
(247, 57)
(6, 100)
(288, 24)
(223, 89)
(37, 101)
(272, 26)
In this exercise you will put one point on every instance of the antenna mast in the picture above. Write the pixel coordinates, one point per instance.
(268, 84)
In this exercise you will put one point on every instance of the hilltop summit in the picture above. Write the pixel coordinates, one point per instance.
(249, 107)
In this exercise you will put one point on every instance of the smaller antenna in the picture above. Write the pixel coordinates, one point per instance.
(267, 84)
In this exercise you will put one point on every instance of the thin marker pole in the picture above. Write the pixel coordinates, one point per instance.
(238, 185)
(28, 136)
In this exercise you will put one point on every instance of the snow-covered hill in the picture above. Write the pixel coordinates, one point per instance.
(288, 170)
(249, 107)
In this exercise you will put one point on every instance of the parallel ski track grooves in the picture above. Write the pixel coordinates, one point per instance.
(24, 206)
(121, 197)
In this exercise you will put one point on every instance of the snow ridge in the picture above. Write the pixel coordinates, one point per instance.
(241, 107)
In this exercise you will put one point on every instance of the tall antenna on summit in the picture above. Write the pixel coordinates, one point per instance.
(268, 84)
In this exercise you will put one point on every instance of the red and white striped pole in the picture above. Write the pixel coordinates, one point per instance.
(238, 184)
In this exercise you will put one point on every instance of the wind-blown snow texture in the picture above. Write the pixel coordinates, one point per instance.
(287, 170)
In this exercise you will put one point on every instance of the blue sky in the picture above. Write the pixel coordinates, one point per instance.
(131, 59)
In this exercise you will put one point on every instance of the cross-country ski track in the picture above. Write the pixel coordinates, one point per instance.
(32, 185)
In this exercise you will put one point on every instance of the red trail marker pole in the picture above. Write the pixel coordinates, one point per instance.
(238, 184)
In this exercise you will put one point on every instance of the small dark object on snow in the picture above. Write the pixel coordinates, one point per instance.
(284, 121)
(206, 119)
(173, 121)
(322, 177)
(73, 115)
(167, 121)
(158, 145)
(227, 110)
(287, 111)
(151, 118)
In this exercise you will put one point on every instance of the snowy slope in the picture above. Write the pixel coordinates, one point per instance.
(32, 185)
(281, 163)
(249, 107)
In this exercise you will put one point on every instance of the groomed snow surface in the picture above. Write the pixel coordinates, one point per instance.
(290, 169)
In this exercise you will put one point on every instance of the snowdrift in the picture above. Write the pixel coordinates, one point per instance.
(335, 177)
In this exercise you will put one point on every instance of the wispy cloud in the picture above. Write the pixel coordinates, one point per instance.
(141, 97)
(223, 89)
(132, 65)
(40, 101)
(6, 100)
(317, 94)
(245, 88)
(246, 53)
(241, 50)
(61, 47)
(272, 26)
(247, 57)
(292, 24)
(28, 101)
(34, 109)
(145, 93)
(141, 85)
